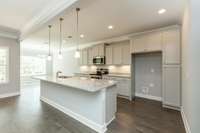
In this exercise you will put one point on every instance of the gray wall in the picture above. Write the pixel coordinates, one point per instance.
(148, 74)
(14, 66)
(191, 65)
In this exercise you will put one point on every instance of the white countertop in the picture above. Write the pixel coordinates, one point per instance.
(120, 75)
(83, 83)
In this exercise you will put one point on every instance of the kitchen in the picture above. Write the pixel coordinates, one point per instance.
(98, 66)
(139, 65)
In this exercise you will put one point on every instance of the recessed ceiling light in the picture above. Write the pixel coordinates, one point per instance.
(81, 36)
(161, 11)
(110, 27)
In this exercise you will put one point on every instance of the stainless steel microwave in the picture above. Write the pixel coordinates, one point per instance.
(99, 60)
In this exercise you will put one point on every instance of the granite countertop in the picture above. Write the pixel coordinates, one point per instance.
(82, 83)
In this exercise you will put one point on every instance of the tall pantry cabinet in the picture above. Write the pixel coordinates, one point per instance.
(171, 68)
(168, 42)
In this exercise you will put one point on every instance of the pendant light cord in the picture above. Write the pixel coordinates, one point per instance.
(49, 39)
(60, 46)
(77, 28)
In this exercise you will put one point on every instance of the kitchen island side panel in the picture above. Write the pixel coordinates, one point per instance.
(86, 104)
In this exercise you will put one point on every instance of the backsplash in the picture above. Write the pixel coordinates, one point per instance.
(125, 69)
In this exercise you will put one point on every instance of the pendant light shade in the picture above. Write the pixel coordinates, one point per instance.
(49, 58)
(60, 45)
(77, 52)
(60, 56)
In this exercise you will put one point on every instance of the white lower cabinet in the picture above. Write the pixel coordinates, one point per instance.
(171, 86)
(123, 86)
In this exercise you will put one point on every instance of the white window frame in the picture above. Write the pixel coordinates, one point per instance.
(8, 66)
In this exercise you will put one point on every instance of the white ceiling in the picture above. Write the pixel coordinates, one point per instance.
(127, 16)
(23, 15)
(16, 13)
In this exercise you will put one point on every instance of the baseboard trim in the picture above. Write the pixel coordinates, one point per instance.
(9, 95)
(148, 97)
(185, 121)
(171, 107)
(108, 123)
(97, 127)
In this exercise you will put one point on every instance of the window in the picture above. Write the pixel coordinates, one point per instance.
(31, 66)
(4, 60)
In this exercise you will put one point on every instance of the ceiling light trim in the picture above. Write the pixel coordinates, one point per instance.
(45, 15)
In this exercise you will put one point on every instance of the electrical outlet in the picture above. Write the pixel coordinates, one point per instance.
(152, 70)
(145, 90)
(151, 85)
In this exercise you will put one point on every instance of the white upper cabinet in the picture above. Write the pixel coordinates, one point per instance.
(90, 56)
(126, 55)
(171, 46)
(109, 55)
(84, 57)
(149, 42)
(101, 49)
(117, 55)
(95, 51)
(98, 50)
(139, 44)
(155, 41)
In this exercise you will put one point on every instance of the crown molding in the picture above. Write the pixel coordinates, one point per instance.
(9, 33)
(127, 37)
(48, 13)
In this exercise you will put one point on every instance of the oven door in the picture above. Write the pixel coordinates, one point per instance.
(99, 60)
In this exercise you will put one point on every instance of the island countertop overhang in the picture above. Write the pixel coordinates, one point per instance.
(82, 83)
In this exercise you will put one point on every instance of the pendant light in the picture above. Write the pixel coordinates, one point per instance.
(77, 52)
(49, 58)
(60, 45)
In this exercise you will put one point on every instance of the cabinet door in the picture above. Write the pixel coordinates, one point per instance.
(81, 58)
(90, 56)
(95, 51)
(139, 44)
(117, 55)
(155, 41)
(171, 85)
(171, 46)
(101, 50)
(126, 55)
(123, 86)
(109, 56)
(84, 57)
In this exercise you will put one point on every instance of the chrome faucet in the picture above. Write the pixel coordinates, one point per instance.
(57, 74)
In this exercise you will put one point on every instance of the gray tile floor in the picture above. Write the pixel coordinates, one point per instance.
(27, 114)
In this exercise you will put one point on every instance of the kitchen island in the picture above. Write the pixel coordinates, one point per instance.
(90, 101)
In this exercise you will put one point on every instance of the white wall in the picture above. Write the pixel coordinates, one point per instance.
(68, 65)
(191, 65)
(14, 66)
